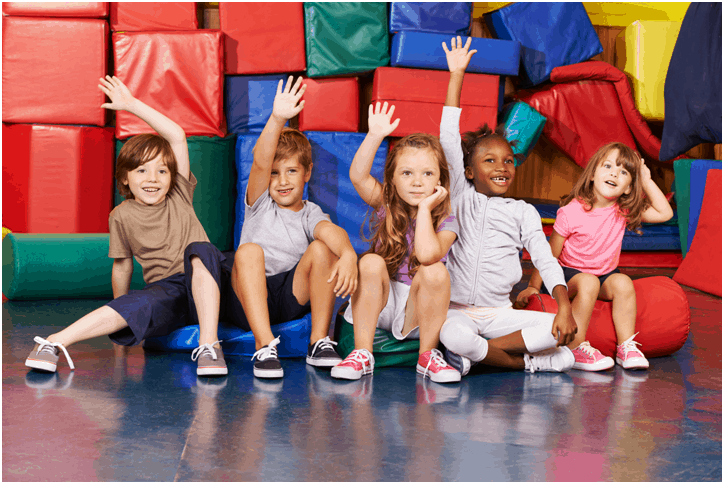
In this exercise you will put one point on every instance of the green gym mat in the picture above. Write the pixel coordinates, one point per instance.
(682, 180)
(213, 164)
(59, 266)
(386, 349)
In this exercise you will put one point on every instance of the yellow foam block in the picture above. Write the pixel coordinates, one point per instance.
(481, 8)
(621, 14)
(547, 221)
(643, 52)
(6, 231)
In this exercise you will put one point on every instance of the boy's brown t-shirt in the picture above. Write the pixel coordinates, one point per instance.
(157, 235)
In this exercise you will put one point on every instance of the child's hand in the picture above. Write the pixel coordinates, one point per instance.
(285, 102)
(564, 327)
(380, 120)
(120, 96)
(345, 270)
(437, 197)
(644, 172)
(458, 56)
(522, 300)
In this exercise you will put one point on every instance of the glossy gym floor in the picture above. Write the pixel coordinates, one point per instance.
(146, 416)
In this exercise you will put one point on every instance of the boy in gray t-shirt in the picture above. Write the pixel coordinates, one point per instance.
(291, 258)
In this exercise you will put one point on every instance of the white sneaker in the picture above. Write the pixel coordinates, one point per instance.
(557, 360)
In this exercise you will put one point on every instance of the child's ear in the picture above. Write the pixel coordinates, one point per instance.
(468, 173)
(628, 189)
(125, 180)
(308, 173)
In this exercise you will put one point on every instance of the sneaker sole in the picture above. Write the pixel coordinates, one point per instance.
(323, 362)
(346, 374)
(633, 365)
(41, 365)
(269, 373)
(446, 377)
(600, 366)
(210, 371)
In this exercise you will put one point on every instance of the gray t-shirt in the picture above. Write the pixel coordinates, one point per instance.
(283, 234)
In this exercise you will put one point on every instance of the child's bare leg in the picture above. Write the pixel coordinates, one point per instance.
(101, 322)
(369, 300)
(206, 298)
(427, 304)
(619, 289)
(584, 289)
(248, 279)
(310, 285)
(503, 359)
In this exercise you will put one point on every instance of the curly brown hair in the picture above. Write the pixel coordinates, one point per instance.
(389, 224)
(631, 205)
(139, 150)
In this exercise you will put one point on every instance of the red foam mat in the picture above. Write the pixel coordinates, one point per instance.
(332, 105)
(51, 69)
(57, 9)
(262, 38)
(180, 74)
(138, 16)
(57, 179)
(643, 259)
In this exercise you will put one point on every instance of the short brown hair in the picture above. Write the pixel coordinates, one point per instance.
(293, 143)
(138, 151)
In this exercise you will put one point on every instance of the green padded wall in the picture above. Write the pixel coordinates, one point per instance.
(59, 266)
(212, 162)
(682, 180)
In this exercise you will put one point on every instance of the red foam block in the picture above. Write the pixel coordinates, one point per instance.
(701, 268)
(641, 258)
(180, 74)
(419, 95)
(136, 16)
(332, 105)
(662, 318)
(57, 9)
(51, 69)
(262, 38)
(57, 179)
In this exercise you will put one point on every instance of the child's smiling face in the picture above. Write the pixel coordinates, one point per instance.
(149, 183)
(286, 184)
(492, 168)
(610, 180)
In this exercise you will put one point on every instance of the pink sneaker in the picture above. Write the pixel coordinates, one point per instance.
(589, 358)
(358, 363)
(433, 365)
(630, 357)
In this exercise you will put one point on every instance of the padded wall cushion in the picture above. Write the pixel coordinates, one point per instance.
(38, 84)
(293, 337)
(57, 9)
(524, 125)
(662, 318)
(56, 266)
(643, 51)
(153, 16)
(697, 183)
(640, 258)
(57, 179)
(192, 96)
(694, 116)
(550, 34)
(424, 50)
(387, 350)
(682, 175)
(275, 30)
(443, 17)
(330, 186)
(701, 268)
(343, 38)
(332, 105)
(249, 101)
(654, 237)
(212, 163)
(419, 95)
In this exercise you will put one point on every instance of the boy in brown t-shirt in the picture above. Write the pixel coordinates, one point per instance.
(157, 225)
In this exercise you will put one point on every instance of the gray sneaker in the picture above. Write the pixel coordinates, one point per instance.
(461, 363)
(45, 355)
(322, 354)
(557, 360)
(210, 360)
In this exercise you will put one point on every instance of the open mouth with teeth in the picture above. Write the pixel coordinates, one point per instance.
(500, 179)
(151, 190)
(285, 191)
(610, 183)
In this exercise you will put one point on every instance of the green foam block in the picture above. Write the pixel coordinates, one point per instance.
(682, 182)
(59, 266)
(387, 350)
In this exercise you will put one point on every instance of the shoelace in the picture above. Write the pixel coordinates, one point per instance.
(360, 356)
(435, 356)
(206, 349)
(269, 351)
(48, 347)
(587, 348)
(324, 344)
(630, 345)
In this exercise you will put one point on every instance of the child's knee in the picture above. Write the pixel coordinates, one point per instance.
(372, 264)
(434, 275)
(587, 285)
(621, 285)
(248, 253)
(319, 252)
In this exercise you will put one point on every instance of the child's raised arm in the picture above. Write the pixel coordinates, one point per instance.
(380, 126)
(458, 58)
(660, 210)
(122, 100)
(286, 106)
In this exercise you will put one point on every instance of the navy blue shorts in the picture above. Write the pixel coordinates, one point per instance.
(569, 272)
(164, 306)
(280, 301)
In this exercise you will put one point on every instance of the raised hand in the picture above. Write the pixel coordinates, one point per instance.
(458, 57)
(644, 172)
(286, 101)
(380, 120)
(437, 197)
(120, 96)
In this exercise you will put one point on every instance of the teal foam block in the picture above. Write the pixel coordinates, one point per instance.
(524, 125)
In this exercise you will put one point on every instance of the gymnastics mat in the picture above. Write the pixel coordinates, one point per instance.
(153, 16)
(452, 18)
(332, 105)
(56, 9)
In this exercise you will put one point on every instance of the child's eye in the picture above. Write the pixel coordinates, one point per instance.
(406, 173)
(510, 160)
(624, 173)
(428, 173)
(489, 160)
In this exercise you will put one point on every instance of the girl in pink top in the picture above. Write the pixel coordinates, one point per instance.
(607, 199)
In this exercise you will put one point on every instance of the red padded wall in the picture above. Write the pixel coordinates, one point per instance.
(57, 9)
(419, 95)
(180, 74)
(57, 179)
(139, 16)
(262, 38)
(51, 69)
(331, 105)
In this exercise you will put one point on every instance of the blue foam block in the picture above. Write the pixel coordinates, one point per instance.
(697, 183)
(330, 186)
(442, 17)
(550, 34)
(524, 125)
(249, 101)
(293, 336)
(424, 50)
(654, 237)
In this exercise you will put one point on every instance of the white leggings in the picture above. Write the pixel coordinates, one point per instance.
(467, 327)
